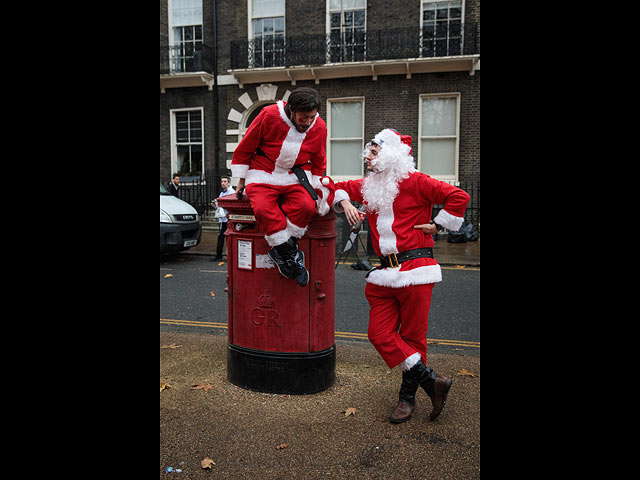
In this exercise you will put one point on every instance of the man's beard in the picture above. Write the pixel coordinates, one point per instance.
(380, 187)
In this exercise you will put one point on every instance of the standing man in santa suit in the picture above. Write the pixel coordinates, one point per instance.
(280, 161)
(399, 201)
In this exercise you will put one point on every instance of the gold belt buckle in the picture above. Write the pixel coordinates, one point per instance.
(391, 260)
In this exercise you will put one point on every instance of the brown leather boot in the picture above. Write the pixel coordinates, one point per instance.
(439, 398)
(436, 386)
(402, 412)
(407, 399)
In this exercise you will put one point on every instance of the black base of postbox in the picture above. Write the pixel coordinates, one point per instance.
(281, 372)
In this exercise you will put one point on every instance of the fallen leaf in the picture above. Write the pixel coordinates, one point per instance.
(213, 294)
(168, 275)
(281, 446)
(164, 386)
(173, 345)
(207, 463)
(465, 372)
(201, 386)
(350, 411)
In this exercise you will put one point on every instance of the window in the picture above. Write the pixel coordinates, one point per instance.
(346, 133)
(347, 21)
(441, 28)
(186, 21)
(267, 33)
(188, 145)
(438, 156)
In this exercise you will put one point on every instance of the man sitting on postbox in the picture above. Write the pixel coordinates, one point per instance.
(281, 162)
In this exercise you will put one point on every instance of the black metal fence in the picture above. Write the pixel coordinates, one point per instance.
(186, 58)
(200, 191)
(472, 214)
(281, 51)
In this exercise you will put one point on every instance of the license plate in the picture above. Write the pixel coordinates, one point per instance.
(190, 243)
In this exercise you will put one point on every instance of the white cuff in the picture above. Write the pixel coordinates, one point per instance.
(338, 197)
(448, 221)
(239, 171)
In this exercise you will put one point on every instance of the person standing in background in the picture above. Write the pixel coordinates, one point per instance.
(221, 214)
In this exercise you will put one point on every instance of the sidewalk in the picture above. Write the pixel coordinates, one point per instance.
(446, 253)
(251, 435)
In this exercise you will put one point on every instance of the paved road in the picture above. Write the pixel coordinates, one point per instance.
(192, 298)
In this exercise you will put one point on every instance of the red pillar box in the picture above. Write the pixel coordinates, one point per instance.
(281, 335)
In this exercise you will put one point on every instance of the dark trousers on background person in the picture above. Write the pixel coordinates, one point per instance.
(223, 228)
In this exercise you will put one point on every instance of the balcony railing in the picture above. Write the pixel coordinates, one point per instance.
(186, 58)
(280, 51)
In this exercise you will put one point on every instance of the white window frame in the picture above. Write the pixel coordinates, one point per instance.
(453, 179)
(173, 130)
(250, 19)
(462, 17)
(171, 34)
(340, 178)
(327, 24)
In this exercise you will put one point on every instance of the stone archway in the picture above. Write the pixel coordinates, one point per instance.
(266, 94)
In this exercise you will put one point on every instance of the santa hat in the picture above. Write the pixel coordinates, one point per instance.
(395, 153)
(392, 137)
(326, 191)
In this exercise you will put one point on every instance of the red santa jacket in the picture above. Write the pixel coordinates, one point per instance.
(392, 227)
(272, 145)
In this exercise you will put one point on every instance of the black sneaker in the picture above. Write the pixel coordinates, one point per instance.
(300, 271)
(286, 268)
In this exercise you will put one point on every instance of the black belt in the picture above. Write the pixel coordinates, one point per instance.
(394, 260)
(302, 177)
(304, 180)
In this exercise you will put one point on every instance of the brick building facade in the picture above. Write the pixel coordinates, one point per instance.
(409, 65)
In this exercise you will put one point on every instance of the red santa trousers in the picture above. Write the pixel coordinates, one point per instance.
(406, 308)
(273, 204)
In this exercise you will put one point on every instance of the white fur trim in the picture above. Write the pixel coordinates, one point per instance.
(321, 203)
(448, 221)
(278, 237)
(284, 235)
(279, 176)
(239, 171)
(338, 197)
(410, 361)
(294, 230)
(394, 277)
(387, 241)
(290, 148)
(315, 181)
(322, 207)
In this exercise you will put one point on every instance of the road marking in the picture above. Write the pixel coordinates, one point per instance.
(461, 267)
(349, 335)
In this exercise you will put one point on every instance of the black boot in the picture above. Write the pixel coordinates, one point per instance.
(406, 399)
(437, 387)
(290, 261)
(301, 274)
(282, 256)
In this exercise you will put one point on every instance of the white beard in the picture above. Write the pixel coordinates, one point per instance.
(380, 188)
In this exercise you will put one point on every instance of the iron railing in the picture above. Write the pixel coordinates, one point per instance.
(472, 213)
(399, 43)
(200, 191)
(186, 58)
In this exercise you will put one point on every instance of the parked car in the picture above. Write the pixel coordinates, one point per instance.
(180, 224)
